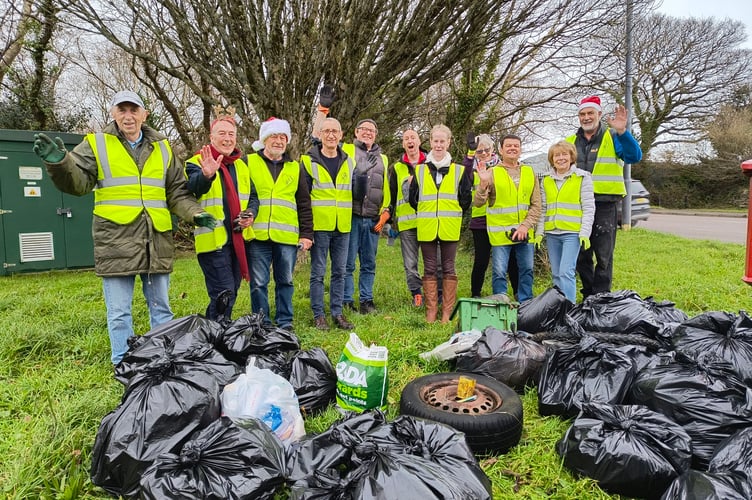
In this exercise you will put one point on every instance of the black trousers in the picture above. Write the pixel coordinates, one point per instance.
(595, 265)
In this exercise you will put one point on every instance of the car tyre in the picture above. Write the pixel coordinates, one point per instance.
(492, 423)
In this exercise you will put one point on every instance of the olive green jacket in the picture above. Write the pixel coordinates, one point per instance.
(135, 248)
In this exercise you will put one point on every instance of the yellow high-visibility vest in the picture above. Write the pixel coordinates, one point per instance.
(608, 170)
(439, 211)
(207, 239)
(277, 218)
(123, 192)
(404, 213)
(511, 204)
(331, 201)
(563, 205)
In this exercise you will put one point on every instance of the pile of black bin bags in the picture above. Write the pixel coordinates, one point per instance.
(168, 440)
(662, 404)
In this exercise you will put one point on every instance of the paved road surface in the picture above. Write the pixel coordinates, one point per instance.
(699, 227)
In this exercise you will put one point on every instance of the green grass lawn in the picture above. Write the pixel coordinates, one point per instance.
(56, 379)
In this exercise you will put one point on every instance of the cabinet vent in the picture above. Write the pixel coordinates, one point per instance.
(36, 247)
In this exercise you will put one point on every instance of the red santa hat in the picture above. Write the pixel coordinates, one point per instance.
(270, 127)
(592, 101)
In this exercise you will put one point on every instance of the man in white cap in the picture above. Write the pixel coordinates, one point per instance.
(138, 184)
(602, 151)
(284, 221)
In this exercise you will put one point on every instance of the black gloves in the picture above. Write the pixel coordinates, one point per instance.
(472, 141)
(327, 96)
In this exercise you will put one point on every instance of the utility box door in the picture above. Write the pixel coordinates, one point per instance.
(42, 228)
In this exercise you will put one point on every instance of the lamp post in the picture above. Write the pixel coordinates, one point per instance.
(626, 209)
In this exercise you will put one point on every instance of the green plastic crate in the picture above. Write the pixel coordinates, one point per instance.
(484, 312)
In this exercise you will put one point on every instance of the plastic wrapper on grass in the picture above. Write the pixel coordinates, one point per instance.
(163, 405)
(365, 457)
(703, 395)
(512, 358)
(588, 372)
(725, 334)
(163, 348)
(221, 461)
(543, 312)
(246, 336)
(697, 485)
(630, 450)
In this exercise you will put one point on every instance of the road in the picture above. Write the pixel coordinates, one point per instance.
(699, 227)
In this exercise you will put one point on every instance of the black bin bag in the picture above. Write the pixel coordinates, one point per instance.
(702, 394)
(698, 485)
(182, 351)
(543, 312)
(622, 312)
(734, 455)
(629, 449)
(408, 458)
(163, 405)
(724, 334)
(512, 358)
(587, 372)
(247, 336)
(222, 461)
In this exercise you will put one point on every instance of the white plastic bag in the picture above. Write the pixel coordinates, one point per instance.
(266, 396)
(457, 343)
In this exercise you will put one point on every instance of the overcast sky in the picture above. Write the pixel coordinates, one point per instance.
(740, 10)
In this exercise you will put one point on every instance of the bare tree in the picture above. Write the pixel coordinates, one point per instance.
(269, 57)
(685, 69)
(14, 27)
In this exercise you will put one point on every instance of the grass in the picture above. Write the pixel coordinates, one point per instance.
(56, 380)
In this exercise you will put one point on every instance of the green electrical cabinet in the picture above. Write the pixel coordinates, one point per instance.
(41, 228)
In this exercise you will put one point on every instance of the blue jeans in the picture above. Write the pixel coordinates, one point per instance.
(335, 244)
(264, 255)
(118, 298)
(500, 262)
(563, 250)
(363, 244)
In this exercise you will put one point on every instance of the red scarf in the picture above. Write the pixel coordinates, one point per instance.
(233, 201)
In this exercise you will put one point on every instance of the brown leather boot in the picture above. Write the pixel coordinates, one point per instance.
(449, 285)
(431, 297)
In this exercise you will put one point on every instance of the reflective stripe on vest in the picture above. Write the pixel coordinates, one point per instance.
(481, 210)
(405, 214)
(207, 239)
(439, 212)
(608, 170)
(511, 204)
(563, 205)
(277, 218)
(331, 203)
(123, 192)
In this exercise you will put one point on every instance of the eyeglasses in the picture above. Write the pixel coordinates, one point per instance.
(483, 151)
(367, 129)
(330, 131)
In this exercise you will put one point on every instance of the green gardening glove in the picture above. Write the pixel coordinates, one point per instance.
(537, 240)
(47, 150)
(205, 220)
(584, 242)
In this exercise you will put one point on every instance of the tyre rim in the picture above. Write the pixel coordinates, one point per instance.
(443, 396)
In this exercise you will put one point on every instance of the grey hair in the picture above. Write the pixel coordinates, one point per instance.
(486, 140)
